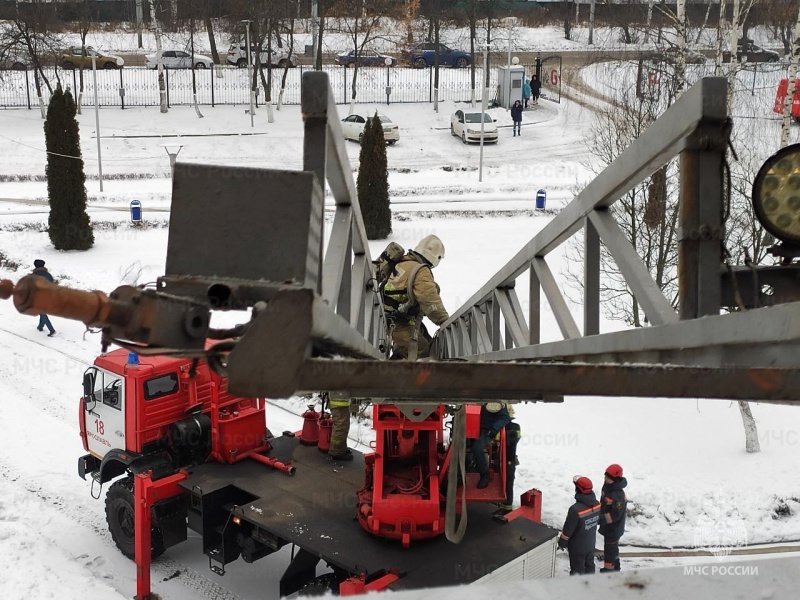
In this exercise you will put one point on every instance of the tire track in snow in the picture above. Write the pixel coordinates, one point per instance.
(79, 509)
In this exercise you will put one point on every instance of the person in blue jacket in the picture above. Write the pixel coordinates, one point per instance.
(526, 92)
(579, 533)
(613, 505)
(516, 116)
(494, 416)
(41, 271)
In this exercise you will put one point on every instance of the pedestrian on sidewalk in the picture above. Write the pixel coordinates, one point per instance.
(516, 116)
(526, 92)
(41, 271)
(536, 87)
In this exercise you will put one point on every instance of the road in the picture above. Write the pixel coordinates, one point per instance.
(577, 58)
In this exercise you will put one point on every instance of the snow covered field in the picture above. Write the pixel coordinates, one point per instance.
(690, 480)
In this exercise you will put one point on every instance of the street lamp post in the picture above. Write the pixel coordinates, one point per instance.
(172, 151)
(483, 108)
(250, 72)
(388, 62)
(97, 116)
(508, 74)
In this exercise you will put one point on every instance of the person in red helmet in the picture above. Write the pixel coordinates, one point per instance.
(613, 504)
(579, 533)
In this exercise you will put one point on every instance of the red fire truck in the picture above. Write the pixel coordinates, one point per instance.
(780, 97)
(183, 453)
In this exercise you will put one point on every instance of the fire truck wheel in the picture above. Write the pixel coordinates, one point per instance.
(322, 585)
(119, 516)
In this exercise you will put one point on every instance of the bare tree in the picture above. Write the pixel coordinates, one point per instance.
(648, 213)
(32, 32)
(361, 21)
(155, 23)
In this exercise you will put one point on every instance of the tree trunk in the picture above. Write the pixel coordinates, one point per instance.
(733, 42)
(720, 40)
(162, 88)
(211, 41)
(680, 68)
(792, 79)
(703, 26)
(750, 430)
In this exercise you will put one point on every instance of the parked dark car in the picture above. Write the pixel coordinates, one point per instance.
(748, 51)
(423, 55)
(366, 58)
(15, 62)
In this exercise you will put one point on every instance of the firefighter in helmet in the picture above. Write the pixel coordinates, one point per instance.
(411, 294)
(579, 534)
(612, 516)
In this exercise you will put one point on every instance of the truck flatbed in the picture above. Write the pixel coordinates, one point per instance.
(316, 510)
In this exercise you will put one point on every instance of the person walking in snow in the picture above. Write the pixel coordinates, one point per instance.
(516, 117)
(536, 87)
(613, 505)
(41, 271)
(526, 92)
(579, 533)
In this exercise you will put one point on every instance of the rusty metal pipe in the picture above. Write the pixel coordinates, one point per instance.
(274, 463)
(34, 295)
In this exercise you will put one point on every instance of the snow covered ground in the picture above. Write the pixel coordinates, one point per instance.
(691, 483)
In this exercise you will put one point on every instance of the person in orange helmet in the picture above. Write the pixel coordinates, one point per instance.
(613, 504)
(579, 533)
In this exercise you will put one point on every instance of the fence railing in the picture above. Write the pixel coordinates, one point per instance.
(138, 86)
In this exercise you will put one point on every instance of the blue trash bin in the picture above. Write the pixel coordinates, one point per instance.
(136, 211)
(541, 198)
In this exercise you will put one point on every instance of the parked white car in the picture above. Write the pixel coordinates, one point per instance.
(237, 56)
(178, 59)
(353, 127)
(467, 126)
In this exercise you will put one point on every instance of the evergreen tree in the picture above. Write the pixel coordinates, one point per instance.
(373, 182)
(69, 226)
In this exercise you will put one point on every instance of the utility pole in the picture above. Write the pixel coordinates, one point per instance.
(591, 22)
(483, 107)
(792, 81)
(97, 117)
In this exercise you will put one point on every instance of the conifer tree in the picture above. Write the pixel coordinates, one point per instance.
(373, 182)
(69, 226)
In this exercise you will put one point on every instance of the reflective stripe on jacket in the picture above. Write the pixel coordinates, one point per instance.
(426, 293)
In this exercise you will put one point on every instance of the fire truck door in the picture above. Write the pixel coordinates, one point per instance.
(105, 414)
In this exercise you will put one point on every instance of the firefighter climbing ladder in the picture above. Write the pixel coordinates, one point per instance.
(323, 307)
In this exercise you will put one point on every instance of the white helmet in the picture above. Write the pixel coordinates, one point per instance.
(431, 249)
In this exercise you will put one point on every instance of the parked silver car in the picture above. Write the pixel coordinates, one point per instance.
(237, 55)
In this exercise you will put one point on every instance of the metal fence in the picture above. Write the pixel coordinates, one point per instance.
(138, 86)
